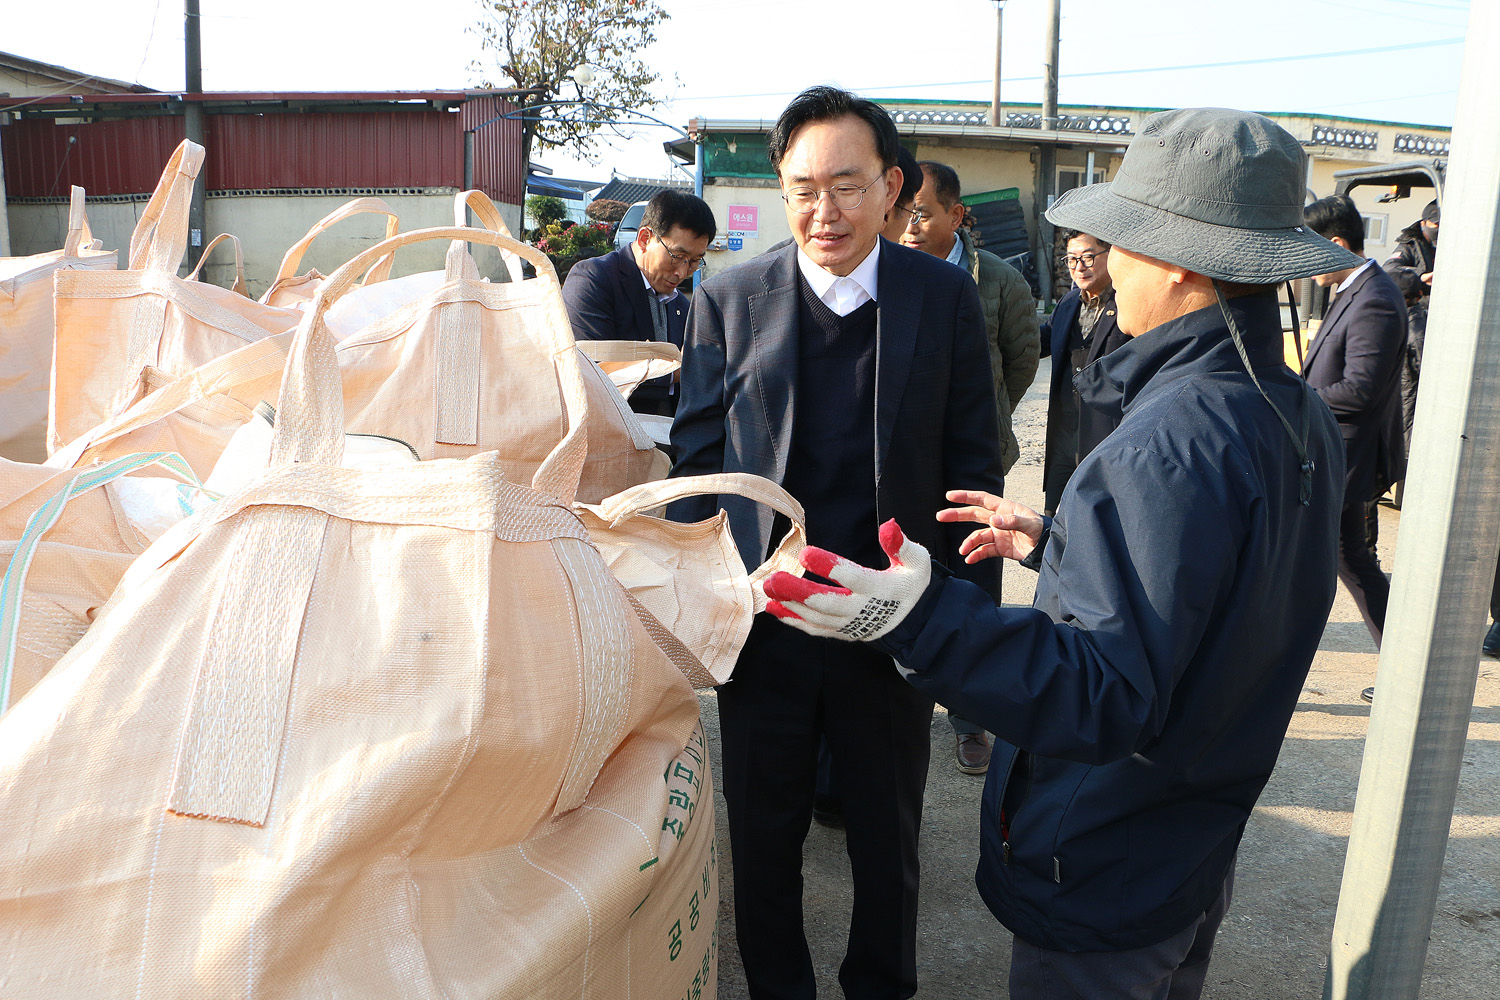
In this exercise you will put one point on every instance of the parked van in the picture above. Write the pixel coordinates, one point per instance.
(630, 224)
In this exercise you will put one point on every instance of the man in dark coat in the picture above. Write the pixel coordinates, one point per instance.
(1416, 247)
(855, 373)
(631, 294)
(1355, 364)
(1183, 586)
(1080, 331)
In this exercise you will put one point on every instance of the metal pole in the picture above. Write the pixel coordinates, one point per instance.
(1049, 64)
(1047, 161)
(1424, 690)
(996, 116)
(193, 124)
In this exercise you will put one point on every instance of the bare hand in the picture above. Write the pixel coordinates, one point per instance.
(1427, 279)
(1010, 529)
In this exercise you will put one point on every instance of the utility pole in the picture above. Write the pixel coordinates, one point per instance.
(1424, 689)
(193, 121)
(996, 116)
(1047, 165)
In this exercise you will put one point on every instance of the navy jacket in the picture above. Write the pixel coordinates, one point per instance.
(607, 299)
(936, 426)
(1144, 697)
(1355, 365)
(1070, 432)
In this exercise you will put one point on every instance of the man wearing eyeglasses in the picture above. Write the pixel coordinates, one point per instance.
(632, 294)
(855, 373)
(935, 226)
(1081, 330)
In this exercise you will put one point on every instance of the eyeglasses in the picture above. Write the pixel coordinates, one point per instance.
(1083, 260)
(846, 197)
(917, 217)
(693, 263)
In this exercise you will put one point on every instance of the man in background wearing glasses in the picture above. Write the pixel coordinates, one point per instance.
(935, 226)
(854, 372)
(1082, 330)
(631, 294)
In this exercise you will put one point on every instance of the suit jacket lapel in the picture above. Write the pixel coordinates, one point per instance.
(773, 334)
(635, 292)
(1340, 303)
(898, 315)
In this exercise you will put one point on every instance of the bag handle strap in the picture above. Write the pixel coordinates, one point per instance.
(239, 262)
(13, 583)
(253, 362)
(79, 235)
(637, 499)
(310, 423)
(161, 235)
(489, 217)
(292, 260)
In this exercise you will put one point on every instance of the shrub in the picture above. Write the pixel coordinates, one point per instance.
(545, 210)
(606, 210)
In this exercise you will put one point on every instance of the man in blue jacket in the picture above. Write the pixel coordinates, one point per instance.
(1183, 585)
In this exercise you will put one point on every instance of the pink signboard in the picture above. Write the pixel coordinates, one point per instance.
(744, 220)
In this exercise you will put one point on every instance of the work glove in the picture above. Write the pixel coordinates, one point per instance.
(867, 604)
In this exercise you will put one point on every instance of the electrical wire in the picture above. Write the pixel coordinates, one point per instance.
(150, 36)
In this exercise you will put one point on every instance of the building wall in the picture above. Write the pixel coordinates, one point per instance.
(266, 226)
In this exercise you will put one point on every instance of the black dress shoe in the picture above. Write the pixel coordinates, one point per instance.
(1492, 640)
(828, 811)
(1368, 694)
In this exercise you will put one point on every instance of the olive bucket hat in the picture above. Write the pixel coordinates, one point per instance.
(1216, 191)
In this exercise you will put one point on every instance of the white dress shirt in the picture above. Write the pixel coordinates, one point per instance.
(842, 294)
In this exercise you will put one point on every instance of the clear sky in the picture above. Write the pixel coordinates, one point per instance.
(1391, 60)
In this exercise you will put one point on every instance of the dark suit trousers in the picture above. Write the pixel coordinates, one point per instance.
(789, 690)
(1360, 570)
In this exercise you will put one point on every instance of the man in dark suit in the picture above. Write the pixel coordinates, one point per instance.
(1081, 330)
(632, 294)
(855, 372)
(1354, 363)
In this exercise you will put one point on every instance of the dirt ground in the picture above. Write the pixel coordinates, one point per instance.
(1275, 940)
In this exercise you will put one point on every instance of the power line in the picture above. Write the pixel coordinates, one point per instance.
(1378, 50)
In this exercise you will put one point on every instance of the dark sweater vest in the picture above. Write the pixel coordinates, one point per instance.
(831, 467)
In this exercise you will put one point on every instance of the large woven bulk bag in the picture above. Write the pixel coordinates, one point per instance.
(292, 290)
(26, 332)
(488, 352)
(483, 354)
(393, 733)
(122, 335)
(66, 539)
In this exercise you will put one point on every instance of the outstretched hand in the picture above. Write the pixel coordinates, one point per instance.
(1010, 529)
(867, 604)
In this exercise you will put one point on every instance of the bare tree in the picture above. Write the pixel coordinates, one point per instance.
(538, 44)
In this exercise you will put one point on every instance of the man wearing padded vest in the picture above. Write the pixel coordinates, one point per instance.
(1139, 704)
(855, 373)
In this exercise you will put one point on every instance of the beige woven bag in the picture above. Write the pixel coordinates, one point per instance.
(122, 335)
(66, 539)
(364, 734)
(488, 353)
(292, 290)
(26, 332)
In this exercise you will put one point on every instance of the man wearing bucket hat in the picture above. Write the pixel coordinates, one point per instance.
(1183, 585)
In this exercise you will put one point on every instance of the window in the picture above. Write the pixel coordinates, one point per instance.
(1069, 178)
(1375, 226)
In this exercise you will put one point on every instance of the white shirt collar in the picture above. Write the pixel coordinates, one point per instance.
(843, 294)
(957, 253)
(1369, 262)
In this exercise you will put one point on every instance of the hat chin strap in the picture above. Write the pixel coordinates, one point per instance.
(1299, 440)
